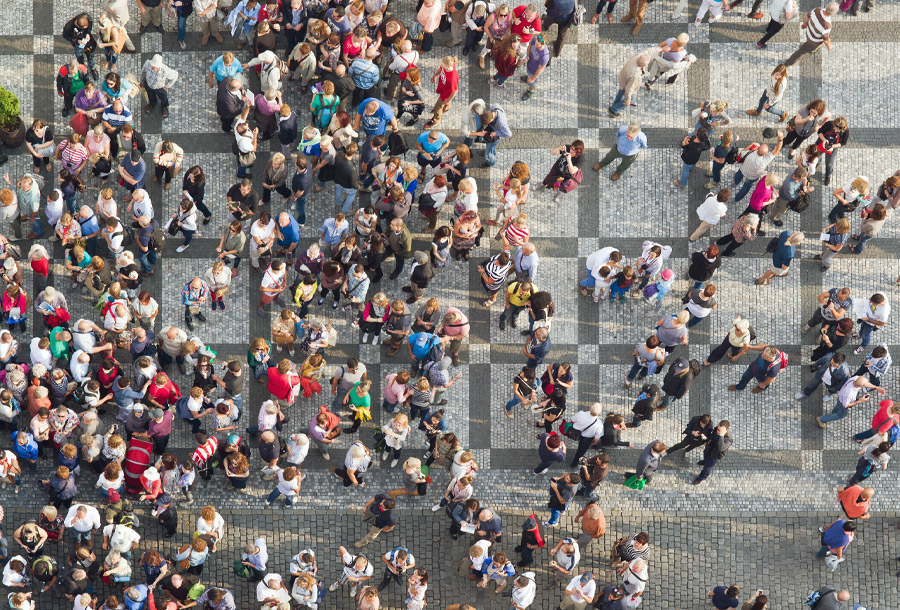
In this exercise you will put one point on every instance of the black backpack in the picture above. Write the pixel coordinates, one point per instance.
(731, 157)
(127, 236)
(158, 239)
(397, 144)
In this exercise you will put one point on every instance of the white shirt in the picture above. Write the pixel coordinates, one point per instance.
(568, 562)
(90, 522)
(350, 560)
(41, 356)
(265, 590)
(848, 391)
(121, 537)
(259, 559)
(588, 424)
(143, 208)
(272, 279)
(288, 488)
(711, 210)
(218, 525)
(80, 370)
(244, 140)
(588, 589)
(9, 576)
(296, 452)
(524, 596)
(54, 209)
(634, 582)
(261, 233)
(116, 237)
(83, 341)
(105, 484)
(478, 562)
(879, 312)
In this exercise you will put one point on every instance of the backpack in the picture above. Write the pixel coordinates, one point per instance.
(781, 363)
(893, 434)
(423, 344)
(800, 203)
(127, 236)
(126, 519)
(181, 408)
(157, 239)
(397, 144)
(731, 157)
(770, 247)
(323, 118)
(812, 599)
(80, 393)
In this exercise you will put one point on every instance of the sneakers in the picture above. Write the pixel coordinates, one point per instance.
(435, 508)
(181, 248)
(805, 329)
(710, 185)
(375, 339)
(394, 462)
(859, 350)
(335, 586)
(799, 395)
(548, 524)
(384, 455)
(557, 197)
(828, 397)
(365, 338)
(320, 301)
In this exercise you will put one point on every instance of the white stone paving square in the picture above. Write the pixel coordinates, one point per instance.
(850, 92)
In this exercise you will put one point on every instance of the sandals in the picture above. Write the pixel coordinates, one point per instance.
(488, 303)
(762, 282)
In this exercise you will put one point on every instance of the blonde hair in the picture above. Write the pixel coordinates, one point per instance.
(412, 464)
(277, 159)
(448, 62)
(401, 418)
(683, 316)
(467, 185)
(860, 184)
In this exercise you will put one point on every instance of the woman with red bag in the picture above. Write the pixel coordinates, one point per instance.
(506, 59)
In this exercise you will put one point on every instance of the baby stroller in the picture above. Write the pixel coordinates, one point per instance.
(137, 460)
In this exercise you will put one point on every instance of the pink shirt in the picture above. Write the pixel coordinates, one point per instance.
(393, 392)
(458, 328)
(430, 16)
(761, 194)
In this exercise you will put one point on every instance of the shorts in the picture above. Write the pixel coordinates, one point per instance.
(268, 298)
(779, 272)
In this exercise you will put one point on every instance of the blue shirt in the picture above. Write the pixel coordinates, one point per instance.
(783, 254)
(835, 537)
(222, 71)
(291, 232)
(137, 171)
(432, 147)
(139, 603)
(761, 369)
(28, 451)
(722, 601)
(116, 119)
(90, 226)
(630, 147)
(364, 73)
(333, 232)
(376, 124)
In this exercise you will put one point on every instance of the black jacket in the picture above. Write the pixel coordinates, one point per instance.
(678, 385)
(73, 33)
(701, 268)
(718, 446)
(64, 79)
(647, 402)
(421, 275)
(227, 105)
(169, 521)
(695, 426)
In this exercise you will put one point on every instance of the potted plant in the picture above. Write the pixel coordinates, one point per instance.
(12, 129)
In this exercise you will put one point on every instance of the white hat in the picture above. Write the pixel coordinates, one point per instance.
(267, 57)
(157, 61)
(151, 474)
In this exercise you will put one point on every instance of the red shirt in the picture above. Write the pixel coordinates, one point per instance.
(280, 385)
(505, 65)
(165, 395)
(447, 83)
(41, 266)
(519, 24)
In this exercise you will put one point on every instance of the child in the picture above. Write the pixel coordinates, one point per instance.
(602, 286)
(509, 199)
(369, 157)
(185, 480)
(658, 291)
(457, 165)
(621, 284)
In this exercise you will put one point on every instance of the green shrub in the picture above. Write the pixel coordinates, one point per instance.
(9, 110)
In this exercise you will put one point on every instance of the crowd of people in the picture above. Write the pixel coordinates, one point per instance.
(69, 403)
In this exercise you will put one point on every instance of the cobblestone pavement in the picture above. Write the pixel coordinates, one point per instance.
(753, 523)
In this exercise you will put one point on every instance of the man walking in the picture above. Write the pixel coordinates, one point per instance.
(817, 26)
(826, 598)
(630, 77)
(836, 538)
(715, 450)
(562, 489)
(833, 305)
(848, 398)
(833, 373)
(560, 12)
(754, 165)
(630, 141)
(764, 370)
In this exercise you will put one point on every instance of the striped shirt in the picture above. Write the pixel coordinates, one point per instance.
(72, 156)
(818, 27)
(495, 271)
(629, 553)
(116, 119)
(516, 234)
(879, 366)
(418, 398)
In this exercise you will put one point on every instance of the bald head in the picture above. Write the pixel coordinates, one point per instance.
(867, 493)
(234, 85)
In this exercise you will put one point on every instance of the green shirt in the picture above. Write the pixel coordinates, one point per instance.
(359, 401)
(59, 349)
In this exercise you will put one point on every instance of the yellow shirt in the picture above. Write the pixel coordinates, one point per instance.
(515, 298)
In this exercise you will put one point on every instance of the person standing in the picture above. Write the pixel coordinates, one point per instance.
(156, 78)
(692, 146)
(400, 243)
(716, 448)
(593, 524)
(562, 13)
(794, 187)
(877, 313)
(630, 78)
(833, 305)
(710, 212)
(630, 141)
(697, 433)
(493, 128)
(754, 165)
(562, 490)
(817, 26)
(447, 86)
(231, 101)
(581, 589)
(648, 461)
(538, 58)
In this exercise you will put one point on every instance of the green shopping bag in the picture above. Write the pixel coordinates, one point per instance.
(635, 482)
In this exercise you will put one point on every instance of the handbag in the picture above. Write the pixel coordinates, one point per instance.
(46, 152)
(79, 123)
(247, 159)
(172, 227)
(635, 482)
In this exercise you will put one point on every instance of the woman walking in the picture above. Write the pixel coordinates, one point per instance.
(874, 457)
(743, 230)
(804, 124)
(773, 94)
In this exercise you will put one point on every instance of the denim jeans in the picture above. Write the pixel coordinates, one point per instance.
(512, 403)
(242, 170)
(618, 104)
(84, 58)
(745, 187)
(500, 79)
(510, 314)
(590, 282)
(148, 259)
(838, 412)
(636, 369)
(188, 236)
(865, 333)
(745, 378)
(860, 244)
(343, 197)
(301, 210)
(554, 516)
(717, 172)
(182, 28)
(685, 172)
(490, 152)
(288, 500)
(772, 108)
